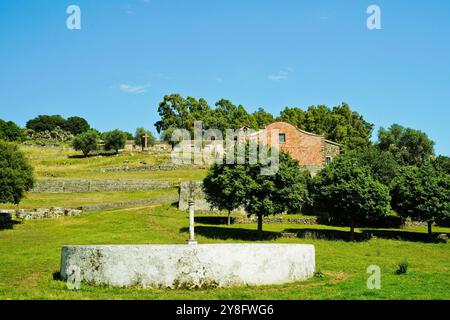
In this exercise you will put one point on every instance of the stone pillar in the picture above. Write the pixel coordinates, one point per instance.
(191, 223)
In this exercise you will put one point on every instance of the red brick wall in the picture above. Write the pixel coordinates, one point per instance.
(307, 148)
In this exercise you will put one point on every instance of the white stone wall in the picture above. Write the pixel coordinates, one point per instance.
(190, 266)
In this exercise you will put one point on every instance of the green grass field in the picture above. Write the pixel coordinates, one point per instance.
(60, 163)
(30, 252)
(30, 255)
(75, 200)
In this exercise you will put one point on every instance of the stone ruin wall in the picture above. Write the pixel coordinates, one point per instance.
(84, 185)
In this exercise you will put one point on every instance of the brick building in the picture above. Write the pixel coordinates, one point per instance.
(311, 150)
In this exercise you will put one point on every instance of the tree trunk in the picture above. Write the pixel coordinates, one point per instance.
(229, 218)
(260, 226)
(430, 233)
(352, 229)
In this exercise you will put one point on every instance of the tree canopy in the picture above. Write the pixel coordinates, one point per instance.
(442, 163)
(340, 124)
(76, 125)
(16, 174)
(381, 164)
(261, 195)
(86, 142)
(9, 131)
(346, 189)
(422, 193)
(225, 187)
(407, 146)
(114, 140)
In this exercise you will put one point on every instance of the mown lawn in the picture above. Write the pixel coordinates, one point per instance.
(30, 255)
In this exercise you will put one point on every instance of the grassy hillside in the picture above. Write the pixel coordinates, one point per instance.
(67, 163)
(30, 255)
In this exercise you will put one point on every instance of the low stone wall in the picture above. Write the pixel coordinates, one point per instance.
(56, 212)
(189, 266)
(84, 185)
(45, 213)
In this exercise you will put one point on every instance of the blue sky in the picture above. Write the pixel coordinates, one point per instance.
(259, 53)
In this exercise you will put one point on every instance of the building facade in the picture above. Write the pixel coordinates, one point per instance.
(312, 151)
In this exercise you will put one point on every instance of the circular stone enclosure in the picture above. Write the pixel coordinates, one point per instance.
(189, 266)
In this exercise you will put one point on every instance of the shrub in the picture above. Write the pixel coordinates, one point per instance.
(16, 174)
(86, 142)
(402, 267)
(114, 140)
(9, 131)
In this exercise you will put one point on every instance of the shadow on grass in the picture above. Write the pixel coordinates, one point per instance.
(328, 234)
(82, 156)
(214, 220)
(232, 233)
(6, 223)
(57, 276)
(402, 235)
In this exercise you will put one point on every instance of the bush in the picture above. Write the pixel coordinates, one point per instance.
(86, 142)
(114, 140)
(16, 174)
(46, 123)
(9, 131)
(402, 268)
(77, 125)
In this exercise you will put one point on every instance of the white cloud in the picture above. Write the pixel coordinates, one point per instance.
(281, 75)
(137, 89)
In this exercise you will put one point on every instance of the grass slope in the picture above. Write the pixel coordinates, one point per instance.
(30, 255)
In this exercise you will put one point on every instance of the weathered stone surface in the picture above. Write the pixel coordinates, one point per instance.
(82, 185)
(190, 266)
(45, 213)
(442, 238)
(201, 205)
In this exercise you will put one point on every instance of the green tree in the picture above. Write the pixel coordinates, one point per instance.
(86, 142)
(139, 137)
(114, 140)
(225, 187)
(16, 174)
(77, 125)
(46, 123)
(177, 112)
(262, 118)
(346, 189)
(442, 163)
(9, 131)
(284, 191)
(422, 194)
(407, 146)
(339, 124)
(382, 165)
